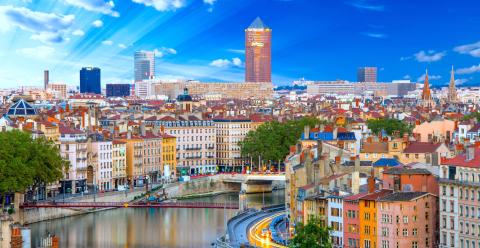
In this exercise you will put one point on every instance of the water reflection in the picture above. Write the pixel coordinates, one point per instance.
(148, 227)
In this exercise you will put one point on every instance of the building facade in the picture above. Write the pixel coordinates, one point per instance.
(258, 39)
(90, 81)
(367, 74)
(118, 90)
(144, 65)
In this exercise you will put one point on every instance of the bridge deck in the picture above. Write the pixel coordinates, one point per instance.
(130, 205)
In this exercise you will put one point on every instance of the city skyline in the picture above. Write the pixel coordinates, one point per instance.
(204, 40)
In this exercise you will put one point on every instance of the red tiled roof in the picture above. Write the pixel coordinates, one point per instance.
(460, 160)
(377, 194)
(168, 118)
(355, 197)
(421, 147)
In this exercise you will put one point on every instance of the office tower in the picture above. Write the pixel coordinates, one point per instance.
(144, 65)
(46, 79)
(118, 90)
(258, 52)
(90, 80)
(367, 74)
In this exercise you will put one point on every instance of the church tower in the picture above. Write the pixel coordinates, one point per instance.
(427, 100)
(452, 91)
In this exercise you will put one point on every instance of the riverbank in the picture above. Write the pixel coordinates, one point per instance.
(205, 186)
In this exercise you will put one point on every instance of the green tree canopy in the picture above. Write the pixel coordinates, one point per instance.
(272, 140)
(389, 125)
(311, 235)
(27, 162)
(472, 115)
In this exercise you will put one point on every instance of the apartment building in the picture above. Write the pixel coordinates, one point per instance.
(119, 166)
(73, 147)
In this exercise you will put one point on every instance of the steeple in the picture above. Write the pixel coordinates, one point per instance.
(452, 91)
(426, 95)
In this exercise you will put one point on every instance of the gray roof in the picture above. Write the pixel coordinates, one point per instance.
(258, 24)
(402, 196)
(407, 171)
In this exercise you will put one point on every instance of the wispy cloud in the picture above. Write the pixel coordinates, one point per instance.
(239, 51)
(430, 77)
(472, 49)
(39, 52)
(210, 3)
(407, 77)
(225, 63)
(469, 70)
(374, 35)
(429, 56)
(78, 32)
(99, 6)
(366, 5)
(107, 42)
(461, 81)
(46, 27)
(162, 5)
(163, 51)
(122, 46)
(97, 23)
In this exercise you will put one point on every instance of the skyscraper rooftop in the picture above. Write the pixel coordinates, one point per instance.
(257, 24)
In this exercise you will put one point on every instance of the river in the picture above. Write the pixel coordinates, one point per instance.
(148, 227)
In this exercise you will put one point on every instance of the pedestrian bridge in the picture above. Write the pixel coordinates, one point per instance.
(255, 183)
(179, 204)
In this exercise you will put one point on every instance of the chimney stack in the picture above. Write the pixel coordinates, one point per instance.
(371, 181)
(129, 134)
(470, 152)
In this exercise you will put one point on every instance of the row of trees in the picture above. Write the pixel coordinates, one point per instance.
(311, 235)
(271, 141)
(27, 163)
(389, 126)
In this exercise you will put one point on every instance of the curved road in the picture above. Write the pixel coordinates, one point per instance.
(255, 232)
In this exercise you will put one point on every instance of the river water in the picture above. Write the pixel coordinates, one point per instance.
(148, 227)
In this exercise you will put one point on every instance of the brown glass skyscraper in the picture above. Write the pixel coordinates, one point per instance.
(258, 40)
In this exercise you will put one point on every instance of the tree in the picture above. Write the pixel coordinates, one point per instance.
(475, 115)
(272, 140)
(389, 125)
(311, 235)
(27, 162)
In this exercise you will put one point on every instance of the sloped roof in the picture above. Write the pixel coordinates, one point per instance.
(421, 147)
(384, 162)
(403, 196)
(258, 24)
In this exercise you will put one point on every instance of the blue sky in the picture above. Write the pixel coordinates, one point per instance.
(204, 39)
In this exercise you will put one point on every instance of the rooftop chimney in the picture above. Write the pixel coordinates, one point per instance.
(470, 153)
(306, 132)
(371, 181)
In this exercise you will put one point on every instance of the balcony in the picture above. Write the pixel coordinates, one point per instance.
(210, 156)
(459, 182)
(211, 147)
(193, 148)
(193, 157)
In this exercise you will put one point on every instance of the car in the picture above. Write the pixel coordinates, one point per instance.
(265, 233)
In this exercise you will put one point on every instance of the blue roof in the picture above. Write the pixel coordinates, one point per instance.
(346, 136)
(324, 136)
(386, 162)
(21, 108)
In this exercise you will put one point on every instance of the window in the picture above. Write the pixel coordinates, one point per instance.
(405, 232)
(405, 219)
(414, 244)
(414, 232)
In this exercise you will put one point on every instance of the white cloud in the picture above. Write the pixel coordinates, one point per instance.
(99, 6)
(78, 32)
(460, 81)
(97, 23)
(225, 63)
(122, 46)
(407, 77)
(430, 77)
(40, 52)
(107, 42)
(405, 58)
(163, 51)
(429, 56)
(210, 2)
(471, 49)
(374, 35)
(364, 5)
(46, 27)
(162, 5)
(469, 70)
